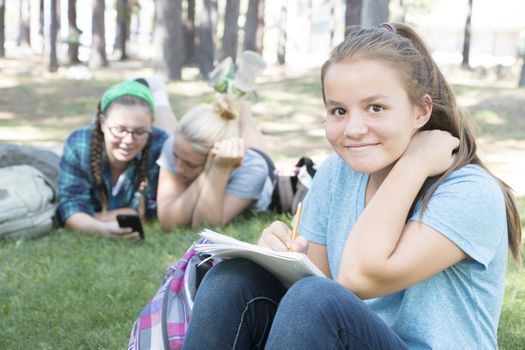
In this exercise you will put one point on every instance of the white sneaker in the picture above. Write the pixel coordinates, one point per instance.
(250, 66)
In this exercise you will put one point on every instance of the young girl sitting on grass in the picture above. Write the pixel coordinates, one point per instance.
(213, 167)
(410, 227)
(108, 168)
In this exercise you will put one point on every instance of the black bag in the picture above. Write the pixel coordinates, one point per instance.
(290, 190)
(45, 161)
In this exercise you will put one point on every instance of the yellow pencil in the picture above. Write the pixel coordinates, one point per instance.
(296, 222)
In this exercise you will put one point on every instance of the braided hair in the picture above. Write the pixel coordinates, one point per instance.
(97, 150)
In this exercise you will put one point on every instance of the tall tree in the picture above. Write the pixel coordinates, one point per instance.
(74, 32)
(254, 26)
(206, 48)
(231, 29)
(309, 14)
(189, 33)
(168, 39)
(466, 38)
(281, 48)
(98, 56)
(123, 26)
(41, 18)
(24, 26)
(403, 6)
(354, 9)
(374, 12)
(522, 75)
(51, 29)
(2, 28)
(333, 23)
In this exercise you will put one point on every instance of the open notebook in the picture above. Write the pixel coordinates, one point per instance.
(288, 267)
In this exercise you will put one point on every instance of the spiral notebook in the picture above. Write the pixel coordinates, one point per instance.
(288, 267)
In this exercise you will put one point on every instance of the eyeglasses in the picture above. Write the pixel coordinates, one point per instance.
(120, 132)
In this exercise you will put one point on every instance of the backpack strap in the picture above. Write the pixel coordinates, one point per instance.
(269, 162)
(309, 163)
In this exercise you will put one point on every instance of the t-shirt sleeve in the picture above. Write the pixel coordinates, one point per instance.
(247, 181)
(469, 209)
(166, 159)
(316, 204)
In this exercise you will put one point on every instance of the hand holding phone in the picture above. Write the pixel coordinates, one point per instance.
(133, 221)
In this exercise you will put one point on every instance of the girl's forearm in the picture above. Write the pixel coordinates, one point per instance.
(178, 211)
(378, 230)
(209, 208)
(84, 222)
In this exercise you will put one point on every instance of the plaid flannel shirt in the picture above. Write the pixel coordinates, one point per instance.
(77, 192)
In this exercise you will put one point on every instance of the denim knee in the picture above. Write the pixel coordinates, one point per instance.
(233, 279)
(319, 313)
(234, 306)
(316, 297)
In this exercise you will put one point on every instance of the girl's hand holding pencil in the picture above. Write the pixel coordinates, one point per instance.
(279, 237)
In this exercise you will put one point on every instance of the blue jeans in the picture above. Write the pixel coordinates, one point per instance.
(239, 305)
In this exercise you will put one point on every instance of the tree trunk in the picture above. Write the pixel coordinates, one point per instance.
(254, 26)
(281, 49)
(522, 75)
(332, 23)
(51, 38)
(123, 22)
(206, 48)
(231, 29)
(374, 12)
(41, 18)
(354, 10)
(2, 28)
(465, 63)
(24, 27)
(168, 39)
(403, 16)
(74, 32)
(98, 56)
(189, 33)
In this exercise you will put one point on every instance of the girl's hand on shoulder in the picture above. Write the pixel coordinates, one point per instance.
(432, 149)
(278, 236)
(228, 153)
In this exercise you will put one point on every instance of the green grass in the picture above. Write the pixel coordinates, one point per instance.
(75, 291)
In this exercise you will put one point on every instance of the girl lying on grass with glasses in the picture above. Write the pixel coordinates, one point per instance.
(213, 167)
(108, 168)
(410, 227)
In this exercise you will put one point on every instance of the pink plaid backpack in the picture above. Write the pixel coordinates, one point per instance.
(162, 323)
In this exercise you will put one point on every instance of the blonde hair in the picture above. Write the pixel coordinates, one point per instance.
(401, 48)
(203, 125)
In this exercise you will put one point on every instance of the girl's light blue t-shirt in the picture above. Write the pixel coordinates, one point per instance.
(458, 308)
(249, 181)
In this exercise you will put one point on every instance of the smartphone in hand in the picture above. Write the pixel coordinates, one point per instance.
(131, 220)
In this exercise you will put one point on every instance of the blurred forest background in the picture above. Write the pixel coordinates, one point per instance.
(196, 33)
(58, 56)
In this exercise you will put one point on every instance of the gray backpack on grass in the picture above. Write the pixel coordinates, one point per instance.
(27, 203)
